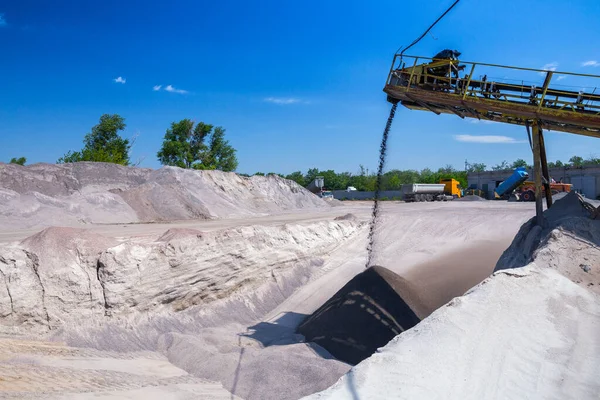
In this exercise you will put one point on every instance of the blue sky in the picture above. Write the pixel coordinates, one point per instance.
(295, 84)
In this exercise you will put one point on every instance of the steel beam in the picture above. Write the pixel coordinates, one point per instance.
(537, 171)
(547, 190)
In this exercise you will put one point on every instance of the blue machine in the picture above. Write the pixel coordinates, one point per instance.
(517, 178)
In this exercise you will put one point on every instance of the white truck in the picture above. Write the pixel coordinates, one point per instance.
(412, 192)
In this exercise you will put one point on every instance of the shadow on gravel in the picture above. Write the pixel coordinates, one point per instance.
(282, 332)
(361, 317)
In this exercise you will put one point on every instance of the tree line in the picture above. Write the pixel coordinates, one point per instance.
(203, 146)
(395, 178)
(185, 144)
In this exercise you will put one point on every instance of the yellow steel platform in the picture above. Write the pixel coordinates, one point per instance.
(436, 85)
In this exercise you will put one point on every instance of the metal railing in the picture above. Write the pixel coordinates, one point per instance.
(444, 75)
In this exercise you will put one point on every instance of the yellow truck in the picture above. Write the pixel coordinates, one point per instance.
(447, 189)
(452, 187)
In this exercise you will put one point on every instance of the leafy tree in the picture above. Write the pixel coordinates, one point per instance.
(519, 163)
(576, 161)
(502, 166)
(476, 167)
(220, 154)
(311, 174)
(297, 177)
(556, 164)
(184, 146)
(103, 143)
(20, 160)
(592, 160)
(447, 170)
(258, 174)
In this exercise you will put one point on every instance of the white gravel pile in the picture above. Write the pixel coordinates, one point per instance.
(42, 195)
(529, 331)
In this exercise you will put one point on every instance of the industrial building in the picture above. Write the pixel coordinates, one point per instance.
(585, 180)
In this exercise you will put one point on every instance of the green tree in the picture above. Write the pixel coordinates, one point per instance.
(184, 146)
(297, 177)
(311, 174)
(592, 161)
(20, 160)
(258, 174)
(103, 143)
(556, 164)
(576, 161)
(476, 167)
(220, 154)
(502, 166)
(519, 163)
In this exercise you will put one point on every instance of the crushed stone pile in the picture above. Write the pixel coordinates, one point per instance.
(528, 331)
(471, 198)
(64, 274)
(193, 298)
(361, 317)
(42, 195)
(569, 242)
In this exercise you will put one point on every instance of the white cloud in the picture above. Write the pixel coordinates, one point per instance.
(156, 88)
(560, 77)
(2, 20)
(171, 89)
(486, 139)
(120, 79)
(282, 100)
(481, 121)
(549, 67)
(591, 63)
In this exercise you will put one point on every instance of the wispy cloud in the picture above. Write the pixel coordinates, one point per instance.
(2, 20)
(549, 67)
(486, 139)
(171, 89)
(120, 79)
(481, 121)
(282, 100)
(591, 63)
(560, 77)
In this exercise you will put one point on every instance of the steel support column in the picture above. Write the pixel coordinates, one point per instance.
(545, 172)
(537, 172)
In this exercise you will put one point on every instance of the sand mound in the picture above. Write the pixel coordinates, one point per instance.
(568, 242)
(62, 274)
(361, 317)
(71, 194)
(526, 333)
(512, 335)
(249, 369)
(51, 275)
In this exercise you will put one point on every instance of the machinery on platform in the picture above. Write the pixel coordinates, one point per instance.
(436, 85)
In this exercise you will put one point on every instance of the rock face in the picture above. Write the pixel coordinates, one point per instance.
(63, 274)
(42, 195)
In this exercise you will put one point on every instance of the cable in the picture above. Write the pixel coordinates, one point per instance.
(529, 135)
(428, 29)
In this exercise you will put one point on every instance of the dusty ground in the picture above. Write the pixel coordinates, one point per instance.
(246, 341)
(132, 283)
